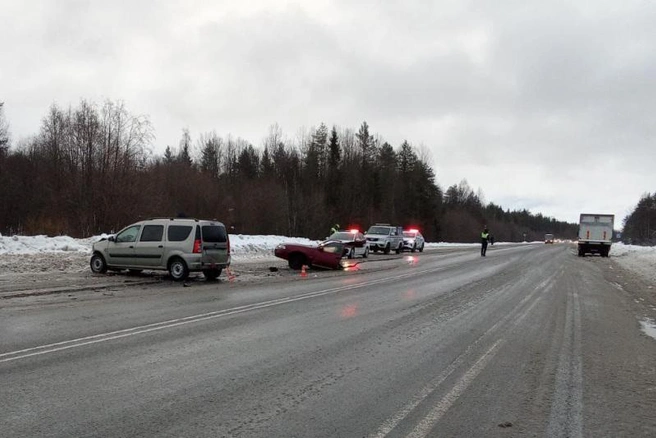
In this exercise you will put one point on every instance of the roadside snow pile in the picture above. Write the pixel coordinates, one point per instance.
(257, 247)
(43, 244)
(241, 246)
(639, 259)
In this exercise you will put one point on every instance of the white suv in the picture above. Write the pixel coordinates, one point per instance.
(385, 237)
(180, 246)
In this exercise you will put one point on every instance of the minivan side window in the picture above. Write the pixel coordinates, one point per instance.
(214, 234)
(178, 233)
(152, 233)
(128, 235)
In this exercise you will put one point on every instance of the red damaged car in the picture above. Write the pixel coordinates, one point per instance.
(327, 254)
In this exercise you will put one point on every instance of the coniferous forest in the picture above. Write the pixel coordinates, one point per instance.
(90, 169)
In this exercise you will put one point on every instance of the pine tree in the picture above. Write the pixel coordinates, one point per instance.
(184, 156)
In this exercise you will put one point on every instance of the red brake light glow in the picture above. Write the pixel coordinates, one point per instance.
(355, 230)
(197, 246)
(413, 230)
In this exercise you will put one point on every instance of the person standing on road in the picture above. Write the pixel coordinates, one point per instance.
(485, 236)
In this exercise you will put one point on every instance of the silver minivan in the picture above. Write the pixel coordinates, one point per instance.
(178, 245)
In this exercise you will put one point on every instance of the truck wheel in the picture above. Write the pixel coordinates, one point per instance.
(399, 249)
(581, 253)
(387, 249)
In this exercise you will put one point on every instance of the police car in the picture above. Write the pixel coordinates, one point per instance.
(413, 240)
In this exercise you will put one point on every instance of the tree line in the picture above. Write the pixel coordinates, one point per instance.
(640, 225)
(90, 169)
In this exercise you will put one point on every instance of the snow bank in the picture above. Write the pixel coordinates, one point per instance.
(255, 247)
(639, 259)
(242, 246)
(43, 244)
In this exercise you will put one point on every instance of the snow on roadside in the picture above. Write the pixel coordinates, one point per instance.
(649, 327)
(638, 259)
(243, 247)
(43, 244)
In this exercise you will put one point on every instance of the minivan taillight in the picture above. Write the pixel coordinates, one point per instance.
(228, 244)
(197, 249)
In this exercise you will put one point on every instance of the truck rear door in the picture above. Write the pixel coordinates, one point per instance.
(596, 228)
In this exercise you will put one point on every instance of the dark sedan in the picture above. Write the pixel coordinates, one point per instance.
(325, 255)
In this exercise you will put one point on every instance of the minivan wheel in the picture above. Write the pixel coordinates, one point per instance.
(178, 269)
(387, 249)
(98, 264)
(212, 274)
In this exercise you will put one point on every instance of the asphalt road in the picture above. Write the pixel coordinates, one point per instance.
(528, 341)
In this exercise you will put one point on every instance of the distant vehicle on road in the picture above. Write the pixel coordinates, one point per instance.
(385, 237)
(413, 240)
(595, 234)
(355, 244)
(327, 254)
(548, 238)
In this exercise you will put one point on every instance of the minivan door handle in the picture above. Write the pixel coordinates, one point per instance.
(161, 246)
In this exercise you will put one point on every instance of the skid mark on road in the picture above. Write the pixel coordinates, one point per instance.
(566, 418)
(515, 317)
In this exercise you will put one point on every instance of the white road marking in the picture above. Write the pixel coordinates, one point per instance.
(429, 421)
(392, 422)
(103, 337)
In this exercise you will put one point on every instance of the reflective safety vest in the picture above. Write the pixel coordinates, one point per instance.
(484, 235)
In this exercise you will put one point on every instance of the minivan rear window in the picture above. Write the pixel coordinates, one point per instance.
(214, 233)
(178, 233)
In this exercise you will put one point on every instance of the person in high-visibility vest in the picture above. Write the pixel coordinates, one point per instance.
(485, 236)
(334, 229)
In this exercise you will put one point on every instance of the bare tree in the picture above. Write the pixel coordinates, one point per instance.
(4, 131)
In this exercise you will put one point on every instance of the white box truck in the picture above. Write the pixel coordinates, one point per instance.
(595, 234)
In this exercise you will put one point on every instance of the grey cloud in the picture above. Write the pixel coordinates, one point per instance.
(558, 90)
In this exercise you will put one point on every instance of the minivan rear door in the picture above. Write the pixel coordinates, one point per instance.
(215, 245)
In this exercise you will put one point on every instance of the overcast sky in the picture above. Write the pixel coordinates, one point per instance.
(543, 105)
